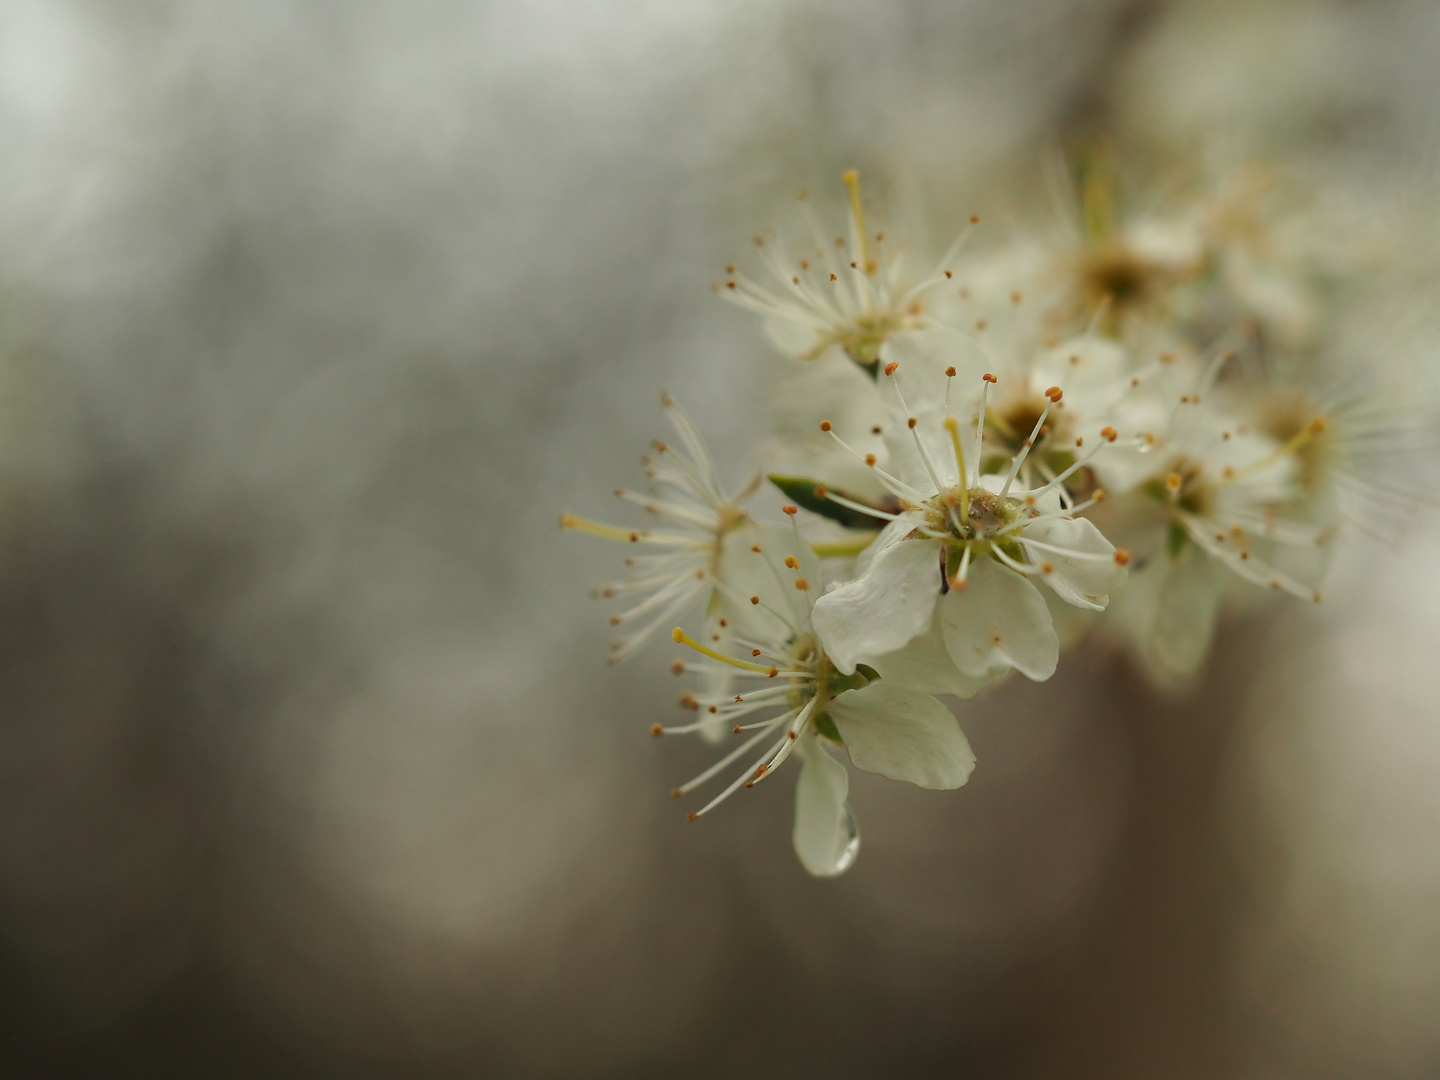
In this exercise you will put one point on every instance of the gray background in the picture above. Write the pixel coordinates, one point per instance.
(314, 316)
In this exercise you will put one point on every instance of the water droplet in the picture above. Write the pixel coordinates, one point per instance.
(851, 850)
(1143, 443)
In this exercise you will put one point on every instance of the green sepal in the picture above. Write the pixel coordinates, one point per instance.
(801, 491)
(953, 555)
(825, 727)
(1175, 540)
(869, 672)
(838, 683)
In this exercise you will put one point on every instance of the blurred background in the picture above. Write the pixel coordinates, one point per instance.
(312, 319)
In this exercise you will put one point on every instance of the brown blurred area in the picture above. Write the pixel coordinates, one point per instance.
(313, 318)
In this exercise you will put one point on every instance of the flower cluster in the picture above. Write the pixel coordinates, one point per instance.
(1114, 429)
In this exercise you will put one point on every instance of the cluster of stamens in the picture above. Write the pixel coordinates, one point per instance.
(969, 519)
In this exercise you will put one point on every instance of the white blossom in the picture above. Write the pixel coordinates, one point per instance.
(1202, 501)
(682, 560)
(854, 293)
(805, 705)
(965, 548)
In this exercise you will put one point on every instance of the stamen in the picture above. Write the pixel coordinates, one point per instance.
(852, 181)
(595, 528)
(1070, 553)
(743, 781)
(1108, 434)
(962, 574)
(896, 486)
(1292, 445)
(729, 759)
(850, 504)
(930, 467)
(792, 735)
(1018, 567)
(953, 427)
(985, 381)
(1025, 450)
(682, 638)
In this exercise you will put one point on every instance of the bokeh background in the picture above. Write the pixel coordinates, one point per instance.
(313, 316)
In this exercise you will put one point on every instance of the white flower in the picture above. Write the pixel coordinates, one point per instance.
(854, 294)
(702, 531)
(968, 545)
(1217, 495)
(806, 705)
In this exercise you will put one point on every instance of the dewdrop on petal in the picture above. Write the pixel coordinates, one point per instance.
(792, 699)
(969, 546)
(852, 292)
(676, 566)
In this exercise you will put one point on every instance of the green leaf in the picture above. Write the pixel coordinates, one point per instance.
(802, 492)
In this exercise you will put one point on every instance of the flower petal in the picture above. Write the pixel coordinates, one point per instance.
(745, 573)
(999, 621)
(883, 608)
(1187, 606)
(825, 836)
(903, 734)
(1084, 582)
(924, 664)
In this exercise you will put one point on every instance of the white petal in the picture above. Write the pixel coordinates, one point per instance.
(883, 608)
(903, 734)
(890, 535)
(825, 837)
(999, 621)
(802, 393)
(1188, 604)
(1072, 623)
(746, 573)
(1082, 582)
(925, 664)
